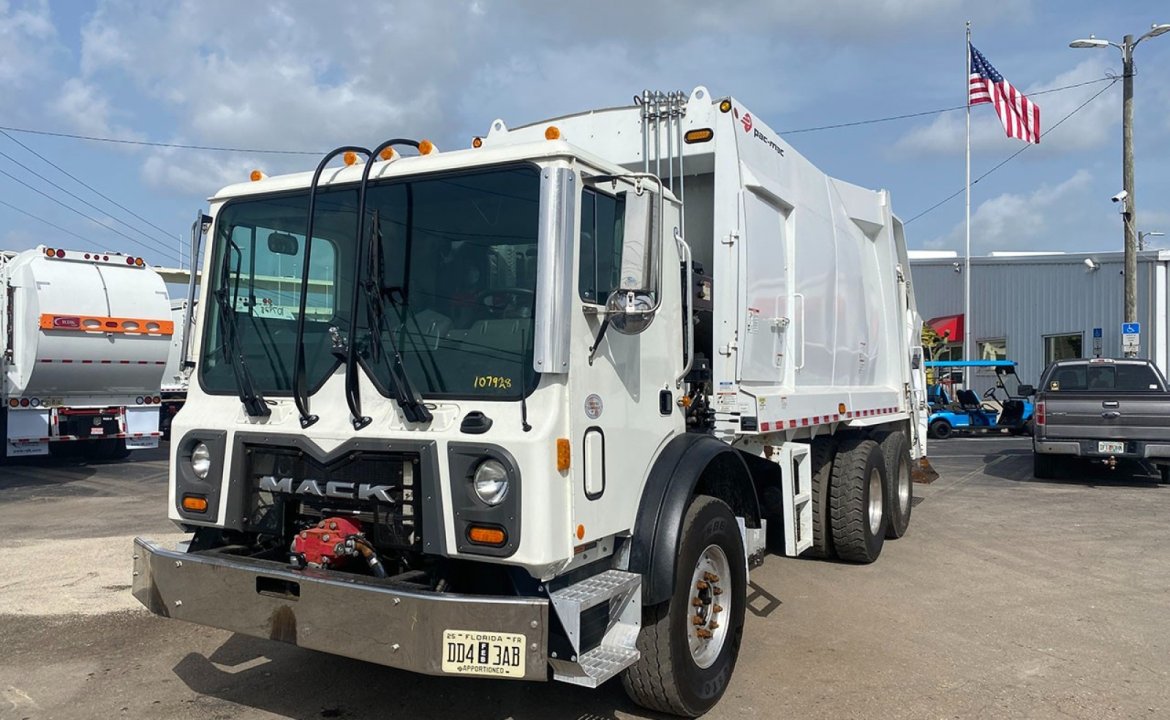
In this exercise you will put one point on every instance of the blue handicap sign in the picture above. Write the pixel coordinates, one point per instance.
(1096, 332)
(1131, 328)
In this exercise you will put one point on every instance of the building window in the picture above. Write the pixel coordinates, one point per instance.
(1063, 347)
(991, 350)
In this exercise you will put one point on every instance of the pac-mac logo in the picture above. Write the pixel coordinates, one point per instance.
(747, 122)
(66, 322)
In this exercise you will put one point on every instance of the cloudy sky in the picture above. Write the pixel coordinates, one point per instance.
(308, 76)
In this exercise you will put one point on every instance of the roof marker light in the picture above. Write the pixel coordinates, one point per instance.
(257, 175)
(725, 106)
(476, 142)
(350, 157)
(130, 261)
(60, 253)
(50, 252)
(138, 262)
(387, 153)
(552, 132)
(425, 147)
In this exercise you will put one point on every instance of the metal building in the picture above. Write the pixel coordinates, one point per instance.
(1037, 308)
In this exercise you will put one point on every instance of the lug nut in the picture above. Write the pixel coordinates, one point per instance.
(718, 591)
(697, 620)
(713, 625)
(332, 526)
(718, 608)
(711, 577)
(704, 633)
(696, 602)
(701, 585)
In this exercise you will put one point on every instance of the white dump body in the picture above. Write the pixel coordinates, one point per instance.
(82, 332)
(813, 308)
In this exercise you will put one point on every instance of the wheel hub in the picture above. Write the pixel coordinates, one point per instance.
(875, 502)
(709, 604)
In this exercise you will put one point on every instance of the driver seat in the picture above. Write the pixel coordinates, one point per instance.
(968, 400)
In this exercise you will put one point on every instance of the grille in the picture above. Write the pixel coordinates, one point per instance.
(378, 489)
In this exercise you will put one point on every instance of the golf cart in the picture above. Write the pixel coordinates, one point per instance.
(964, 411)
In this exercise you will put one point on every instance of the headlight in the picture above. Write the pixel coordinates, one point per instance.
(200, 461)
(491, 482)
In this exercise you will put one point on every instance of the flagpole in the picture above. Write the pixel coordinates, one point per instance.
(967, 255)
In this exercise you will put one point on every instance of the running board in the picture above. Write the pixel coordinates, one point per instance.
(606, 606)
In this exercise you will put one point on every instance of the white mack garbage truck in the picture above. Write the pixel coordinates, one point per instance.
(533, 409)
(86, 336)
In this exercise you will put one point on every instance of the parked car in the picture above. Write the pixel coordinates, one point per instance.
(1101, 410)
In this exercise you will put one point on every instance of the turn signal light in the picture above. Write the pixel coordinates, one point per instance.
(563, 454)
(699, 136)
(552, 132)
(486, 535)
(195, 503)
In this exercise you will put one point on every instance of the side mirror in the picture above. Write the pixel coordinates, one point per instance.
(1026, 390)
(282, 244)
(632, 306)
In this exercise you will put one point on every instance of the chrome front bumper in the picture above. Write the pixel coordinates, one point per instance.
(372, 620)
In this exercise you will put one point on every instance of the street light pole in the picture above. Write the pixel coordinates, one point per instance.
(1129, 206)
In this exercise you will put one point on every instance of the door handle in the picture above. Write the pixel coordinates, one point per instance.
(1111, 415)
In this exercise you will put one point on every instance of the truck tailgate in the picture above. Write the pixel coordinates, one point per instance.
(1111, 416)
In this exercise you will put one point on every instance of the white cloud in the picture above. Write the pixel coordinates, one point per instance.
(27, 38)
(1090, 127)
(87, 110)
(1043, 219)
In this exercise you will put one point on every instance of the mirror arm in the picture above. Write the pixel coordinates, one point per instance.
(597, 340)
(688, 301)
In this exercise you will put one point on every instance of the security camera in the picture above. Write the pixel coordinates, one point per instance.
(1091, 264)
(1120, 196)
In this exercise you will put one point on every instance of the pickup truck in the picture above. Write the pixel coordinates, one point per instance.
(1102, 410)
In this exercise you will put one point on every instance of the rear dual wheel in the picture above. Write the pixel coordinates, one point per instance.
(857, 500)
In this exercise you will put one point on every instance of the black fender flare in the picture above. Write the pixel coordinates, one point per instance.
(667, 494)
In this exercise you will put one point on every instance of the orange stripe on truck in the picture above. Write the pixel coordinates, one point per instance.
(98, 323)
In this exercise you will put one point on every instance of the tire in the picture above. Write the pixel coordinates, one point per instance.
(857, 494)
(940, 429)
(822, 470)
(899, 483)
(1044, 466)
(667, 677)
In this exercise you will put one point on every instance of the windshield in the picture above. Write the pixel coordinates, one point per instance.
(456, 282)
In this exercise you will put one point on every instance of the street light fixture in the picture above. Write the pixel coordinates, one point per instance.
(1148, 233)
(1129, 213)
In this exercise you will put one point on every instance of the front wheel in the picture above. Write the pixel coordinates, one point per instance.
(690, 643)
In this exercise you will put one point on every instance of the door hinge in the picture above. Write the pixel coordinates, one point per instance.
(730, 238)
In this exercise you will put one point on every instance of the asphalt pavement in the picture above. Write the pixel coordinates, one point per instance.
(1008, 598)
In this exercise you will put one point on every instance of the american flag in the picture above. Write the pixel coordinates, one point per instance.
(1019, 115)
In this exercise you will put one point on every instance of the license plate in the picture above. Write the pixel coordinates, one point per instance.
(1110, 447)
(470, 652)
(97, 431)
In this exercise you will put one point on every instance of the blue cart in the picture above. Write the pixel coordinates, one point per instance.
(965, 411)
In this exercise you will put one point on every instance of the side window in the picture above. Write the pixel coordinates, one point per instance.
(265, 272)
(601, 245)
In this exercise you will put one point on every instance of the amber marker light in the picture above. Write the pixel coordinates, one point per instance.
(840, 408)
(257, 175)
(195, 503)
(699, 136)
(486, 535)
(387, 153)
(476, 142)
(725, 106)
(425, 147)
(563, 454)
(580, 532)
(552, 132)
(350, 157)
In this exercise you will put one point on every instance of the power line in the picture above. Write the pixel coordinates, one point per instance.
(76, 197)
(216, 148)
(88, 217)
(147, 143)
(874, 121)
(84, 184)
(50, 224)
(1011, 157)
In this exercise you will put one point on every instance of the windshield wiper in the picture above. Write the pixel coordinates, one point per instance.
(300, 392)
(405, 394)
(233, 351)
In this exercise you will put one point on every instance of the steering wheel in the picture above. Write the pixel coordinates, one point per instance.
(500, 301)
(989, 394)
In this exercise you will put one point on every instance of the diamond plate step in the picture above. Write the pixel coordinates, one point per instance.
(600, 664)
(594, 590)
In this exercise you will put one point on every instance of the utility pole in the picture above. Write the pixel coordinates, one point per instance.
(1130, 214)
